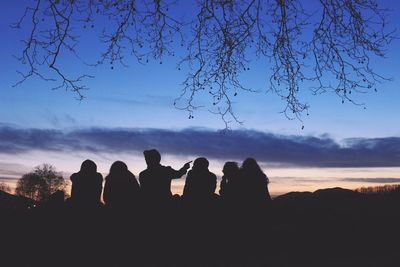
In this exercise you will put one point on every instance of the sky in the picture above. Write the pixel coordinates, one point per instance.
(129, 109)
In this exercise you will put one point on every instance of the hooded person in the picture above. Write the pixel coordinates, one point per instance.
(121, 188)
(87, 185)
(200, 182)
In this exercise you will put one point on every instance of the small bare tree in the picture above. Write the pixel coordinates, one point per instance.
(39, 184)
(326, 45)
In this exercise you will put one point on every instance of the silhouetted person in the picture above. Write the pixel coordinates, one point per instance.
(200, 182)
(255, 182)
(121, 188)
(87, 185)
(230, 186)
(155, 181)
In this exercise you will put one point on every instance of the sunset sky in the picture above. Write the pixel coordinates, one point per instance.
(129, 109)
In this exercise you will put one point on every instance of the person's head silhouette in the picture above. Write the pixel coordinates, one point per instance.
(88, 166)
(200, 164)
(230, 169)
(118, 167)
(152, 157)
(251, 165)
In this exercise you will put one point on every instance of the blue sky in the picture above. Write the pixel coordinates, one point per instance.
(141, 97)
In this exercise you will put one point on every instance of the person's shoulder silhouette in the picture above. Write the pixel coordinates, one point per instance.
(87, 185)
(121, 188)
(200, 182)
(155, 181)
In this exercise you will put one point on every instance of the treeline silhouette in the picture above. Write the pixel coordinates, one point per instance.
(144, 224)
(380, 190)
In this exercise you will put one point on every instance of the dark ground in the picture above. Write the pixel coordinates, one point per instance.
(332, 227)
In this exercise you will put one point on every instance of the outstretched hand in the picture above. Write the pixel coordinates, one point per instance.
(187, 165)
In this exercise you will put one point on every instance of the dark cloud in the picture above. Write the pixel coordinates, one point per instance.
(373, 180)
(235, 145)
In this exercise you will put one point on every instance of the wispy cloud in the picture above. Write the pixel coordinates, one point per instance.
(122, 100)
(307, 151)
(8, 178)
(147, 99)
(12, 171)
(58, 120)
(373, 180)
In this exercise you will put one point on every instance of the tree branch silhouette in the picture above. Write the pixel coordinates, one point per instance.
(328, 46)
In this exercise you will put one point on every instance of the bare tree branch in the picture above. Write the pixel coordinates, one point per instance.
(328, 46)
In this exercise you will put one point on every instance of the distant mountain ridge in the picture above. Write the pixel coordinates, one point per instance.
(321, 194)
(335, 194)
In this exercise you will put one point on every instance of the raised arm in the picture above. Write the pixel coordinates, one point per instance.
(174, 174)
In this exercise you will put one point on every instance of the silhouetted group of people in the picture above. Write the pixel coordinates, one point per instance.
(144, 224)
(247, 183)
